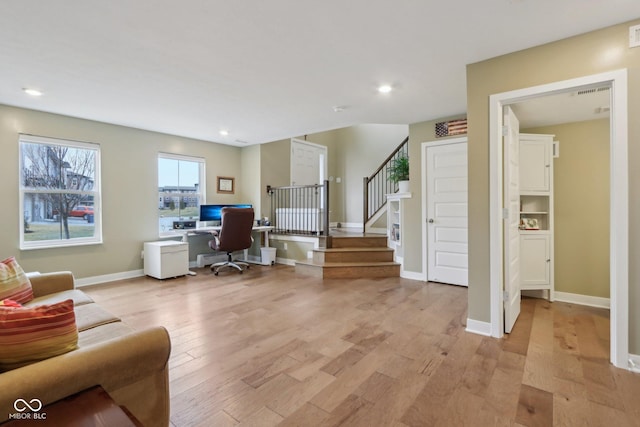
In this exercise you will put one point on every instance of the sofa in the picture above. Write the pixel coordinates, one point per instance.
(131, 366)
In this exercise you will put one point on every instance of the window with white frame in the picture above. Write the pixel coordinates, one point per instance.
(59, 193)
(181, 189)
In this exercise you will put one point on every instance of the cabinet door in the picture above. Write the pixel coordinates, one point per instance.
(535, 261)
(535, 164)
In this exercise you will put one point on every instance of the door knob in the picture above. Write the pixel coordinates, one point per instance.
(430, 220)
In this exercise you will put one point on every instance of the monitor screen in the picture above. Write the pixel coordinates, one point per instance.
(213, 212)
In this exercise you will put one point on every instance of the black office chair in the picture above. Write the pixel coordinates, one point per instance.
(235, 235)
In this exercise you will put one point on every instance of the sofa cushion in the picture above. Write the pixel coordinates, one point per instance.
(103, 333)
(14, 283)
(29, 334)
(10, 303)
(91, 315)
(78, 297)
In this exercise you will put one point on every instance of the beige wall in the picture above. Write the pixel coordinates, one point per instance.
(587, 54)
(354, 153)
(129, 188)
(363, 148)
(250, 171)
(581, 214)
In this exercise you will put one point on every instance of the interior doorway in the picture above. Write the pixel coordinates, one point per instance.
(308, 163)
(445, 232)
(619, 183)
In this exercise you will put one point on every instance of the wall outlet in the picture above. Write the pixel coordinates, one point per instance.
(141, 254)
(284, 246)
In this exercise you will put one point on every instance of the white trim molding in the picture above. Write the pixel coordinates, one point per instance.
(579, 299)
(619, 206)
(412, 275)
(634, 363)
(423, 179)
(97, 280)
(478, 327)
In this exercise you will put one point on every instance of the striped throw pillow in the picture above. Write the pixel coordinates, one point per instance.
(14, 283)
(29, 334)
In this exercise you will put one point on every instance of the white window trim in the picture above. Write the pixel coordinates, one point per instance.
(202, 187)
(96, 193)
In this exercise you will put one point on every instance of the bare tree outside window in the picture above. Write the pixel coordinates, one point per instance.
(59, 191)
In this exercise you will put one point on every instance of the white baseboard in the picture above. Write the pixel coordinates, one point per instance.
(285, 261)
(351, 225)
(582, 299)
(293, 238)
(412, 275)
(634, 363)
(377, 230)
(478, 327)
(96, 280)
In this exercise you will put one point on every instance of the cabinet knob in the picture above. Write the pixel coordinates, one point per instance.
(548, 260)
(430, 220)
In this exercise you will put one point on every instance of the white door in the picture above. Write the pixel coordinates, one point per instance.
(447, 245)
(308, 163)
(511, 144)
(308, 167)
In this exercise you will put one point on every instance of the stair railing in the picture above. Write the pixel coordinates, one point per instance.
(377, 186)
(300, 209)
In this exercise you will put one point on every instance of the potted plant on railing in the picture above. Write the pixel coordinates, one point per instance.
(398, 171)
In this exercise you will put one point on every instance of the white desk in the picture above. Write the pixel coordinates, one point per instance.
(207, 230)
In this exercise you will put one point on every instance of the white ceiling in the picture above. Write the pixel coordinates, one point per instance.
(268, 70)
(568, 107)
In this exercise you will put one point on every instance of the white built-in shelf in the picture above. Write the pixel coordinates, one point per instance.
(398, 196)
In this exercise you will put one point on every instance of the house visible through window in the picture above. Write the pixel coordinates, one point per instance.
(59, 193)
(180, 189)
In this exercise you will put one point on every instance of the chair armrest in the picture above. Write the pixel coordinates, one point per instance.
(121, 366)
(50, 283)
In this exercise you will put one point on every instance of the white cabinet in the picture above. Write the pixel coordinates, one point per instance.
(394, 222)
(535, 260)
(536, 213)
(166, 259)
(535, 164)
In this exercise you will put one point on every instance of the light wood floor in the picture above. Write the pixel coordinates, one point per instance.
(271, 348)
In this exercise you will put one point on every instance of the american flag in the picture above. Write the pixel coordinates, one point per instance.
(452, 127)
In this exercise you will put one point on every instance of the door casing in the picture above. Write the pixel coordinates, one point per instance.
(424, 195)
(619, 189)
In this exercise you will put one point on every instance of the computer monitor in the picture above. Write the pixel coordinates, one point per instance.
(214, 212)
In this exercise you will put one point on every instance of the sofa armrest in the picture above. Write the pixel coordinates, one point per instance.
(132, 368)
(50, 283)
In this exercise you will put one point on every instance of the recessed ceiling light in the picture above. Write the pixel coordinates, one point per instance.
(32, 92)
(385, 88)
(224, 132)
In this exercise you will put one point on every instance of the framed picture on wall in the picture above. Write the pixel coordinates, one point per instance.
(225, 185)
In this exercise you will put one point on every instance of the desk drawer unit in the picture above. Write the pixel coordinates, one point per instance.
(166, 259)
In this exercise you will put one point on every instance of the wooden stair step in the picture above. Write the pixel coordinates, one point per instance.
(348, 270)
(359, 241)
(353, 254)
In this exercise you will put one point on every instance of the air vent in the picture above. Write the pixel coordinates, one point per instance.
(634, 36)
(239, 141)
(591, 91)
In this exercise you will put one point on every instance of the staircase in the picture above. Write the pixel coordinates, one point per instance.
(351, 257)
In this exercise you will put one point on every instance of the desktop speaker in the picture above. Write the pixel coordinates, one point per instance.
(184, 225)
